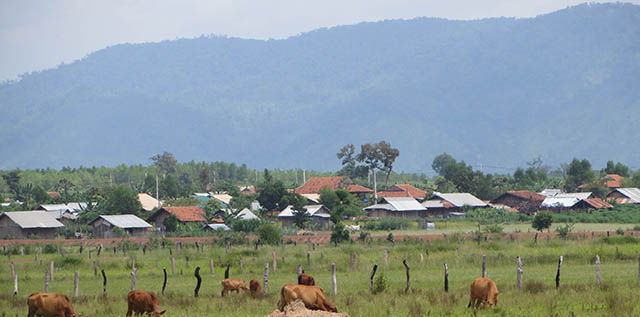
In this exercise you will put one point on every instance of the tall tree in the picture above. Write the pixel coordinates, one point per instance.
(165, 162)
(370, 155)
(440, 161)
(13, 181)
(579, 172)
(122, 200)
(617, 168)
(270, 192)
(388, 156)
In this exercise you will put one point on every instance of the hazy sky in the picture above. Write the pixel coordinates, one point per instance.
(40, 34)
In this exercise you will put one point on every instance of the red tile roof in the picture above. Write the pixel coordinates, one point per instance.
(187, 213)
(525, 194)
(355, 188)
(403, 190)
(597, 203)
(610, 181)
(54, 195)
(314, 184)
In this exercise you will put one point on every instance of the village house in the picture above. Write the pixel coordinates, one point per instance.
(246, 214)
(397, 207)
(521, 200)
(404, 190)
(319, 216)
(185, 214)
(611, 181)
(629, 195)
(148, 202)
(315, 184)
(105, 226)
(28, 224)
(564, 202)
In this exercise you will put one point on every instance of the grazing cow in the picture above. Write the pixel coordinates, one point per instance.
(232, 284)
(312, 296)
(141, 302)
(254, 287)
(306, 279)
(49, 304)
(485, 291)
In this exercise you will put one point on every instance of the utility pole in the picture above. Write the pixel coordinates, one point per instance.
(157, 192)
(304, 176)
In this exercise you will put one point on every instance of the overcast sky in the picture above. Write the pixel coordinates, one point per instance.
(40, 34)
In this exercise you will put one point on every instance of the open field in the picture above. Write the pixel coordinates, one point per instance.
(578, 293)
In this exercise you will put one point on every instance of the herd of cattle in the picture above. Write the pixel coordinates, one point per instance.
(483, 292)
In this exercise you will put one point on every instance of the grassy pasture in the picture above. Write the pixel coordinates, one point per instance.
(578, 293)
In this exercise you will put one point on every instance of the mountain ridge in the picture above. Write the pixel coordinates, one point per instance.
(496, 91)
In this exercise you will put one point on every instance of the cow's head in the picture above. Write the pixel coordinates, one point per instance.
(157, 314)
(331, 307)
(493, 298)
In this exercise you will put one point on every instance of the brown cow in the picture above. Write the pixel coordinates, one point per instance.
(254, 287)
(306, 279)
(232, 284)
(141, 302)
(312, 296)
(49, 304)
(485, 291)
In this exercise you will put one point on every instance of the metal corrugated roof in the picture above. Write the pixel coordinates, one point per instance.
(560, 202)
(33, 219)
(52, 207)
(632, 193)
(313, 210)
(246, 214)
(218, 226)
(398, 204)
(125, 221)
(461, 199)
(550, 192)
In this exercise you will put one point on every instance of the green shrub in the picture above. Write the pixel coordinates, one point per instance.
(388, 224)
(246, 226)
(563, 231)
(620, 231)
(340, 234)
(542, 221)
(494, 228)
(50, 248)
(230, 238)
(620, 240)
(380, 284)
(70, 261)
(269, 233)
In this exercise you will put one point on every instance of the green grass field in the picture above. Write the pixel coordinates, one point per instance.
(578, 294)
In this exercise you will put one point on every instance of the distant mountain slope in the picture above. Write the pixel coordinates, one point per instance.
(493, 91)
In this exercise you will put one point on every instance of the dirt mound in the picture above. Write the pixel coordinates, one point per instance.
(297, 309)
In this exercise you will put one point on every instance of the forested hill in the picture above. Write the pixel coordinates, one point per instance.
(494, 91)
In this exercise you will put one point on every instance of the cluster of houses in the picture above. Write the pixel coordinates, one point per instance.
(399, 201)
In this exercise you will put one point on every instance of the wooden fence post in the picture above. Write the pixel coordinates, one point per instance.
(334, 281)
(95, 268)
(373, 273)
(104, 283)
(408, 279)
(519, 263)
(226, 271)
(385, 256)
(275, 262)
(186, 261)
(211, 266)
(308, 261)
(299, 271)
(421, 258)
(46, 281)
(173, 266)
(199, 281)
(597, 269)
(133, 279)
(51, 269)
(558, 273)
(484, 265)
(446, 278)
(76, 281)
(352, 261)
(265, 285)
(13, 269)
(164, 283)
(15, 285)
